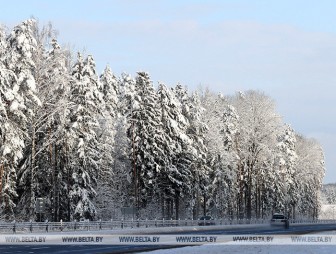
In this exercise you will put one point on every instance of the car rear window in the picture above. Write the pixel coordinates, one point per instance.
(278, 216)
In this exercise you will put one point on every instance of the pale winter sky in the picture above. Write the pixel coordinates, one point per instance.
(286, 48)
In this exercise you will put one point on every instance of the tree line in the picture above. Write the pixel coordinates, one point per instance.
(90, 145)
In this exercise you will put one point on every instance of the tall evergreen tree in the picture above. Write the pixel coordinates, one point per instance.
(106, 134)
(121, 178)
(56, 108)
(196, 131)
(176, 177)
(224, 169)
(110, 90)
(195, 155)
(146, 136)
(85, 159)
(10, 146)
(20, 59)
(285, 164)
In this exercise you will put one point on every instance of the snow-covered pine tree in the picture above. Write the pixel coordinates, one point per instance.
(38, 144)
(196, 131)
(121, 175)
(105, 188)
(22, 46)
(224, 173)
(56, 134)
(285, 163)
(85, 151)
(51, 76)
(309, 173)
(145, 135)
(175, 181)
(230, 127)
(192, 156)
(213, 105)
(110, 90)
(187, 153)
(126, 95)
(123, 162)
(10, 146)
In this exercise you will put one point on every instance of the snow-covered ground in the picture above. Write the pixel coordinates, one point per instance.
(248, 249)
(251, 249)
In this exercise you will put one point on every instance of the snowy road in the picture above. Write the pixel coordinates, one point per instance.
(253, 249)
(210, 249)
(219, 248)
(247, 249)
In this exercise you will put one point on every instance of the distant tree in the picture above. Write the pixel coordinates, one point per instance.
(309, 173)
(329, 193)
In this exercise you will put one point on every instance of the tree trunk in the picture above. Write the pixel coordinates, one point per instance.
(249, 193)
(162, 206)
(32, 174)
(177, 200)
(241, 192)
(68, 182)
(204, 204)
(55, 183)
(1, 176)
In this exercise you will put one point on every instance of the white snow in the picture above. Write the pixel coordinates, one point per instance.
(31, 83)
(14, 106)
(248, 249)
(216, 248)
(328, 211)
(6, 150)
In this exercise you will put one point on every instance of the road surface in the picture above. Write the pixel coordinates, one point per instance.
(264, 230)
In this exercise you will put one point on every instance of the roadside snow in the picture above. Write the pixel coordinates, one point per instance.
(248, 249)
(251, 249)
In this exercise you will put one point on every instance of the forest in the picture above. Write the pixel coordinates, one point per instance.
(90, 145)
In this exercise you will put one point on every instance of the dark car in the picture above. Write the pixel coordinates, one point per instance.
(206, 221)
(279, 219)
